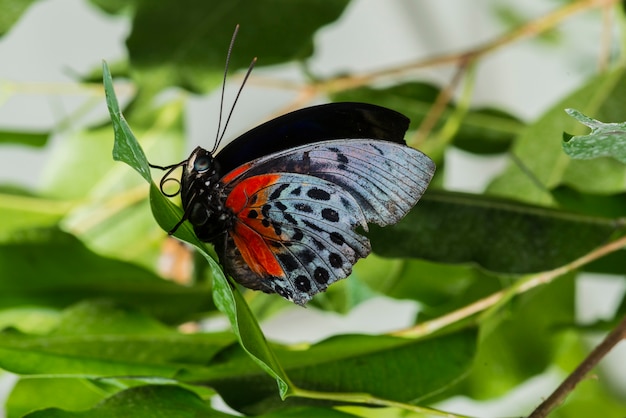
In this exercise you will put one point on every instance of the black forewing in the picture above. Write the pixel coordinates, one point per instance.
(345, 120)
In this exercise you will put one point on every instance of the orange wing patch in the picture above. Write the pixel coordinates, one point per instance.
(254, 249)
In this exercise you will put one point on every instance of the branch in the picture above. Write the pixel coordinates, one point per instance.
(568, 385)
(530, 29)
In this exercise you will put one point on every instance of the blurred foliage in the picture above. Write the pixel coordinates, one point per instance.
(92, 328)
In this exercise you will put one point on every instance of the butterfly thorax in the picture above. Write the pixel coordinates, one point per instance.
(202, 196)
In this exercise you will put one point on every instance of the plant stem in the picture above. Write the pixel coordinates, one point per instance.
(568, 385)
(530, 29)
(367, 399)
(527, 283)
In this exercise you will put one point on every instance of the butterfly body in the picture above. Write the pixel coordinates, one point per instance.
(284, 203)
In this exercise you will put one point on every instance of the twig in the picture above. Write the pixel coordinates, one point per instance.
(527, 30)
(568, 385)
(529, 282)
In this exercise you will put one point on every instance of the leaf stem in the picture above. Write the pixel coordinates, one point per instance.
(525, 284)
(364, 398)
(568, 385)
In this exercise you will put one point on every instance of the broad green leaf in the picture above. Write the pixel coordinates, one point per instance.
(12, 10)
(32, 139)
(188, 48)
(30, 394)
(51, 268)
(228, 300)
(439, 288)
(29, 319)
(99, 339)
(605, 139)
(482, 131)
(521, 340)
(405, 370)
(498, 235)
(541, 165)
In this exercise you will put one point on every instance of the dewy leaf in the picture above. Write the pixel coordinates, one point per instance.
(188, 48)
(124, 149)
(605, 139)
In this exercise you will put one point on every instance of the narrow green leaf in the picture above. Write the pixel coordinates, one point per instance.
(31, 139)
(123, 150)
(605, 139)
(498, 235)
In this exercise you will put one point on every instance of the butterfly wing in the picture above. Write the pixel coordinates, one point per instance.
(297, 211)
(344, 120)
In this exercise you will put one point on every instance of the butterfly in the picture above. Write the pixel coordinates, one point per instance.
(284, 203)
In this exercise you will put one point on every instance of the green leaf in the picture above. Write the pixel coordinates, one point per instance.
(31, 139)
(400, 369)
(12, 10)
(169, 402)
(20, 210)
(540, 164)
(521, 340)
(153, 401)
(129, 151)
(605, 139)
(30, 394)
(440, 288)
(188, 48)
(31, 274)
(99, 339)
(498, 235)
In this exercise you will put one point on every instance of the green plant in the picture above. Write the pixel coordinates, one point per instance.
(91, 328)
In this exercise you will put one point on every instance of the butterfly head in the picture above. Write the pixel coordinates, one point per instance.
(201, 193)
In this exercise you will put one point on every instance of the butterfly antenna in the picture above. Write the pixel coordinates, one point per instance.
(243, 83)
(220, 136)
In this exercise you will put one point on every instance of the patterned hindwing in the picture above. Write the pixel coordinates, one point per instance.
(296, 234)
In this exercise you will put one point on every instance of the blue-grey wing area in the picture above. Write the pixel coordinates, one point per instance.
(310, 217)
(385, 178)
